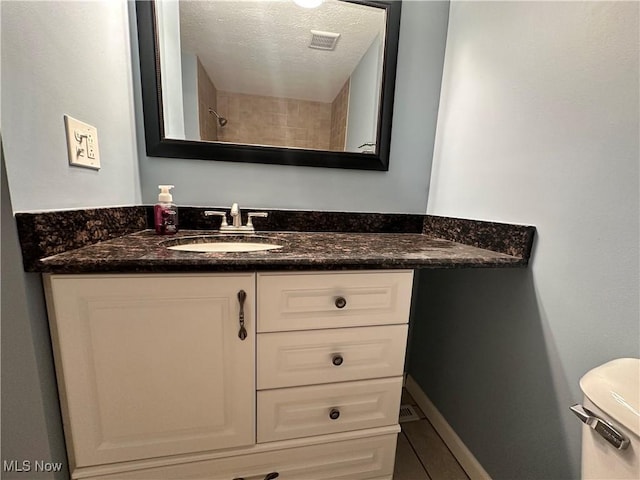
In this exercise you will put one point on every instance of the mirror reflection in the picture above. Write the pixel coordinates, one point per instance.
(272, 73)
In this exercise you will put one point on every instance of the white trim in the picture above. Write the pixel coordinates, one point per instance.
(459, 450)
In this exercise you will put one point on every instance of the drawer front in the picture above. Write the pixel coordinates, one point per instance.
(288, 413)
(289, 359)
(360, 459)
(307, 301)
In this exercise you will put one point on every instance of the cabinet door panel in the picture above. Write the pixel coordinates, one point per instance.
(288, 359)
(152, 365)
(308, 301)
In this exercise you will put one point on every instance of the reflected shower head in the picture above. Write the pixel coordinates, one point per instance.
(221, 120)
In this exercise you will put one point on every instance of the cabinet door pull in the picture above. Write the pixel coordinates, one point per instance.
(242, 296)
(337, 360)
(269, 476)
(334, 413)
(341, 302)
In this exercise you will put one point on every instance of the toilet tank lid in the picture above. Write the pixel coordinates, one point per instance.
(615, 388)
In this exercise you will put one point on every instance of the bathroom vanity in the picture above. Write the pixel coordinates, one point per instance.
(231, 375)
(284, 363)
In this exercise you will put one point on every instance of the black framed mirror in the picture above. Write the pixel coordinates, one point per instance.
(210, 122)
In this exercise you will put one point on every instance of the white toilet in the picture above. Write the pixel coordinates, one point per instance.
(611, 413)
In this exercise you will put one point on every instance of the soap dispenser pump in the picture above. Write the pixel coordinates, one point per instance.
(165, 212)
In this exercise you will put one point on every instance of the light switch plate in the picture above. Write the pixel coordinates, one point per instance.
(82, 143)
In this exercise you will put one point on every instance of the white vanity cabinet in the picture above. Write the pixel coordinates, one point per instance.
(156, 382)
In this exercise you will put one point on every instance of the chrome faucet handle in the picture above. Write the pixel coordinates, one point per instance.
(223, 223)
(255, 214)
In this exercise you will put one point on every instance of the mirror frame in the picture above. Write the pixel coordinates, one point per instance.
(159, 146)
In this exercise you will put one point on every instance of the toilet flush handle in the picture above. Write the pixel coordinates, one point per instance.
(604, 428)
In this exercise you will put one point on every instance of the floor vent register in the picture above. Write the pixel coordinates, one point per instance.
(408, 414)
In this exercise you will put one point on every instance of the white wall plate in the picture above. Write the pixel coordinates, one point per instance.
(82, 143)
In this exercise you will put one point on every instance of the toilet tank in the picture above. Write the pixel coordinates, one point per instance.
(611, 395)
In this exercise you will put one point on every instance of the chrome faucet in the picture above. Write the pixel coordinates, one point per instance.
(236, 216)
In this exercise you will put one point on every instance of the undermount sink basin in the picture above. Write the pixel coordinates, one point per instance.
(220, 244)
(224, 247)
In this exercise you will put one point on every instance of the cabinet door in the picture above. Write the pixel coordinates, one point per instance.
(152, 365)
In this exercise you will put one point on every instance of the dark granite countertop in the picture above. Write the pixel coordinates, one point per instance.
(144, 252)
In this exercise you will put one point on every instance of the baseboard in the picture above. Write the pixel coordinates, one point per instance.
(459, 450)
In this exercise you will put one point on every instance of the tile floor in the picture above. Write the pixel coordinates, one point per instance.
(421, 454)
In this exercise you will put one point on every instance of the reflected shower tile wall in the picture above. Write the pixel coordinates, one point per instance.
(265, 120)
(207, 98)
(339, 109)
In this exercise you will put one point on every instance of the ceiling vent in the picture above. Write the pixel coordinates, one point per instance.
(323, 40)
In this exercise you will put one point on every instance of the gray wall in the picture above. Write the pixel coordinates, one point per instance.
(54, 62)
(31, 423)
(538, 124)
(401, 189)
(57, 58)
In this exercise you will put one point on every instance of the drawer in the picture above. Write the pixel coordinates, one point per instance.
(287, 413)
(359, 459)
(287, 359)
(307, 301)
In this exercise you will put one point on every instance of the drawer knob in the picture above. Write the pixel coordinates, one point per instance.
(334, 413)
(341, 302)
(337, 360)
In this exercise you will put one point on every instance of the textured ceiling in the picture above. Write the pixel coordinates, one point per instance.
(261, 47)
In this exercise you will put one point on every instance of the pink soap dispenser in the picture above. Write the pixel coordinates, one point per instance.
(165, 212)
